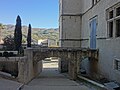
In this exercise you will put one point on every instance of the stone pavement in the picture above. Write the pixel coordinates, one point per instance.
(9, 84)
(51, 79)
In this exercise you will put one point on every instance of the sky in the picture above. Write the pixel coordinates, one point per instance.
(39, 13)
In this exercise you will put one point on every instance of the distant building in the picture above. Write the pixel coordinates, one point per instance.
(47, 42)
(1, 41)
(40, 41)
(93, 24)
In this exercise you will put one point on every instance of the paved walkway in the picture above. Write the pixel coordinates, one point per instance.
(51, 79)
(8, 84)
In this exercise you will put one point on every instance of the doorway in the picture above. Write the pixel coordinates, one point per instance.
(93, 28)
(51, 62)
(50, 68)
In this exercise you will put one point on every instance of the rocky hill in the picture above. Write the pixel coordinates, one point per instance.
(37, 33)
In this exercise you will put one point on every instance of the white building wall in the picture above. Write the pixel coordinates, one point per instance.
(86, 5)
(108, 47)
(70, 22)
(71, 27)
(60, 7)
(52, 43)
(70, 31)
(78, 27)
(71, 6)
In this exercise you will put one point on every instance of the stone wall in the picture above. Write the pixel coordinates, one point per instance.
(28, 68)
(9, 65)
(63, 65)
(24, 68)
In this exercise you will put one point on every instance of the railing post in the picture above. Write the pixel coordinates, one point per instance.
(29, 75)
(72, 70)
(79, 56)
(63, 61)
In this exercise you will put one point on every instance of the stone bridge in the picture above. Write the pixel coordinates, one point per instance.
(31, 67)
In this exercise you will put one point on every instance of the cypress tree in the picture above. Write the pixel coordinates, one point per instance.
(29, 36)
(18, 34)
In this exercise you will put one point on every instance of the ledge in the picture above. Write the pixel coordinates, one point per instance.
(92, 82)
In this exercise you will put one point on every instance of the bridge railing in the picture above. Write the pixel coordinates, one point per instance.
(31, 65)
(75, 56)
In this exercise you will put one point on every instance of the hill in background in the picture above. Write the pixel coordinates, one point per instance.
(37, 33)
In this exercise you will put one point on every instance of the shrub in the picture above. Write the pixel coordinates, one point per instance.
(11, 54)
(5, 54)
(8, 43)
(0, 54)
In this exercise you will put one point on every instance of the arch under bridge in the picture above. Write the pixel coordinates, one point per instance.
(31, 66)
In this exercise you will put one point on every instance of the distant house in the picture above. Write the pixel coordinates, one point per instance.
(1, 41)
(40, 41)
(47, 42)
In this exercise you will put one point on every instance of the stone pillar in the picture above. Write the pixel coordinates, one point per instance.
(22, 68)
(63, 65)
(79, 55)
(37, 66)
(63, 61)
(72, 70)
(26, 67)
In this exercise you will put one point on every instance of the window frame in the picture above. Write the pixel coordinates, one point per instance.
(117, 64)
(94, 2)
(114, 20)
(110, 35)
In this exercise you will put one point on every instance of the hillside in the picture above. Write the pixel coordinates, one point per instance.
(37, 33)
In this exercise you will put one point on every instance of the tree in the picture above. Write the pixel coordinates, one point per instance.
(1, 27)
(18, 34)
(29, 36)
(9, 42)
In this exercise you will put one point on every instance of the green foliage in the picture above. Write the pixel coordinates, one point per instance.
(23, 40)
(8, 43)
(37, 33)
(2, 26)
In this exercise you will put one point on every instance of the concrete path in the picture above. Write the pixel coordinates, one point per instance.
(9, 85)
(51, 79)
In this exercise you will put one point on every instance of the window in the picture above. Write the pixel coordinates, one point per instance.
(110, 29)
(94, 2)
(118, 28)
(111, 14)
(110, 23)
(117, 64)
(113, 20)
(118, 11)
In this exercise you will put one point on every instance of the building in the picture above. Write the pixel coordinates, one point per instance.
(93, 24)
(47, 42)
(70, 21)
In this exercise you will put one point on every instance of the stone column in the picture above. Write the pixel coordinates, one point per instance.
(22, 68)
(72, 70)
(79, 55)
(27, 66)
(38, 56)
(63, 61)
